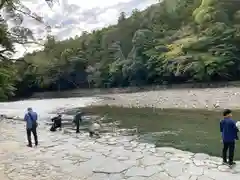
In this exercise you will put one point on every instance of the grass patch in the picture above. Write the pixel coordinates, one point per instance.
(192, 130)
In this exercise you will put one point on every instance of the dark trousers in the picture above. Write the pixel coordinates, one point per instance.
(228, 146)
(55, 126)
(29, 132)
(78, 126)
(91, 133)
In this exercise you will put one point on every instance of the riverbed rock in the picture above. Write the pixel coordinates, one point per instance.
(113, 166)
(143, 171)
(174, 169)
(152, 160)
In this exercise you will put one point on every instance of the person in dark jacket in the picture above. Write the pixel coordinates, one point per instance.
(77, 120)
(229, 132)
(31, 118)
(57, 123)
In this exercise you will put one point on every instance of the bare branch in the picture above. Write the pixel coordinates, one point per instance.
(37, 18)
(15, 40)
(28, 42)
(2, 3)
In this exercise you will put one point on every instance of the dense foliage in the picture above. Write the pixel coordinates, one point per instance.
(174, 41)
(13, 11)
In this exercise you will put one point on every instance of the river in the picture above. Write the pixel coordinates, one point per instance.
(188, 125)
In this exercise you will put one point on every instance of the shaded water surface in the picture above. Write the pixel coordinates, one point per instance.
(192, 130)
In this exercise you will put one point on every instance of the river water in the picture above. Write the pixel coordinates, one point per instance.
(196, 131)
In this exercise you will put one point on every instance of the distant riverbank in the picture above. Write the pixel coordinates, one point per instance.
(218, 98)
(101, 91)
(186, 96)
(208, 98)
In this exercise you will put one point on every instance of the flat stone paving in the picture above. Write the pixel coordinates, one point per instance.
(62, 156)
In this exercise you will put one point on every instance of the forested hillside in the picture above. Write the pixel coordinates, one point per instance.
(174, 41)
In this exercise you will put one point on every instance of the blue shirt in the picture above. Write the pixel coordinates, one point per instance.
(28, 119)
(229, 130)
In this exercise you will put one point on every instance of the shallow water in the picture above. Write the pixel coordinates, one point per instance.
(191, 130)
(196, 131)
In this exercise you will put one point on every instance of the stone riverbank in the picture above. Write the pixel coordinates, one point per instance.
(112, 157)
(215, 98)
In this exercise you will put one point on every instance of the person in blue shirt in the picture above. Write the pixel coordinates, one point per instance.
(229, 132)
(31, 118)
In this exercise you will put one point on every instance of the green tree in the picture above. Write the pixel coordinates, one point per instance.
(174, 41)
(15, 11)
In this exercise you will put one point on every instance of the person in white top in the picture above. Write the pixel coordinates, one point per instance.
(94, 128)
(238, 125)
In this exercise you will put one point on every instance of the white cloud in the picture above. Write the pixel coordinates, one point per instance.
(89, 4)
(109, 16)
(69, 18)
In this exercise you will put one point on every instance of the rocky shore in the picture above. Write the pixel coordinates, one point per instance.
(177, 98)
(64, 156)
(112, 157)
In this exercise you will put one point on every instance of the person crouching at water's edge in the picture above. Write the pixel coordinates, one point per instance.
(94, 128)
(77, 120)
(229, 132)
(31, 118)
(57, 123)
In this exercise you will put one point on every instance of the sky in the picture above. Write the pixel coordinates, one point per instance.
(69, 18)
